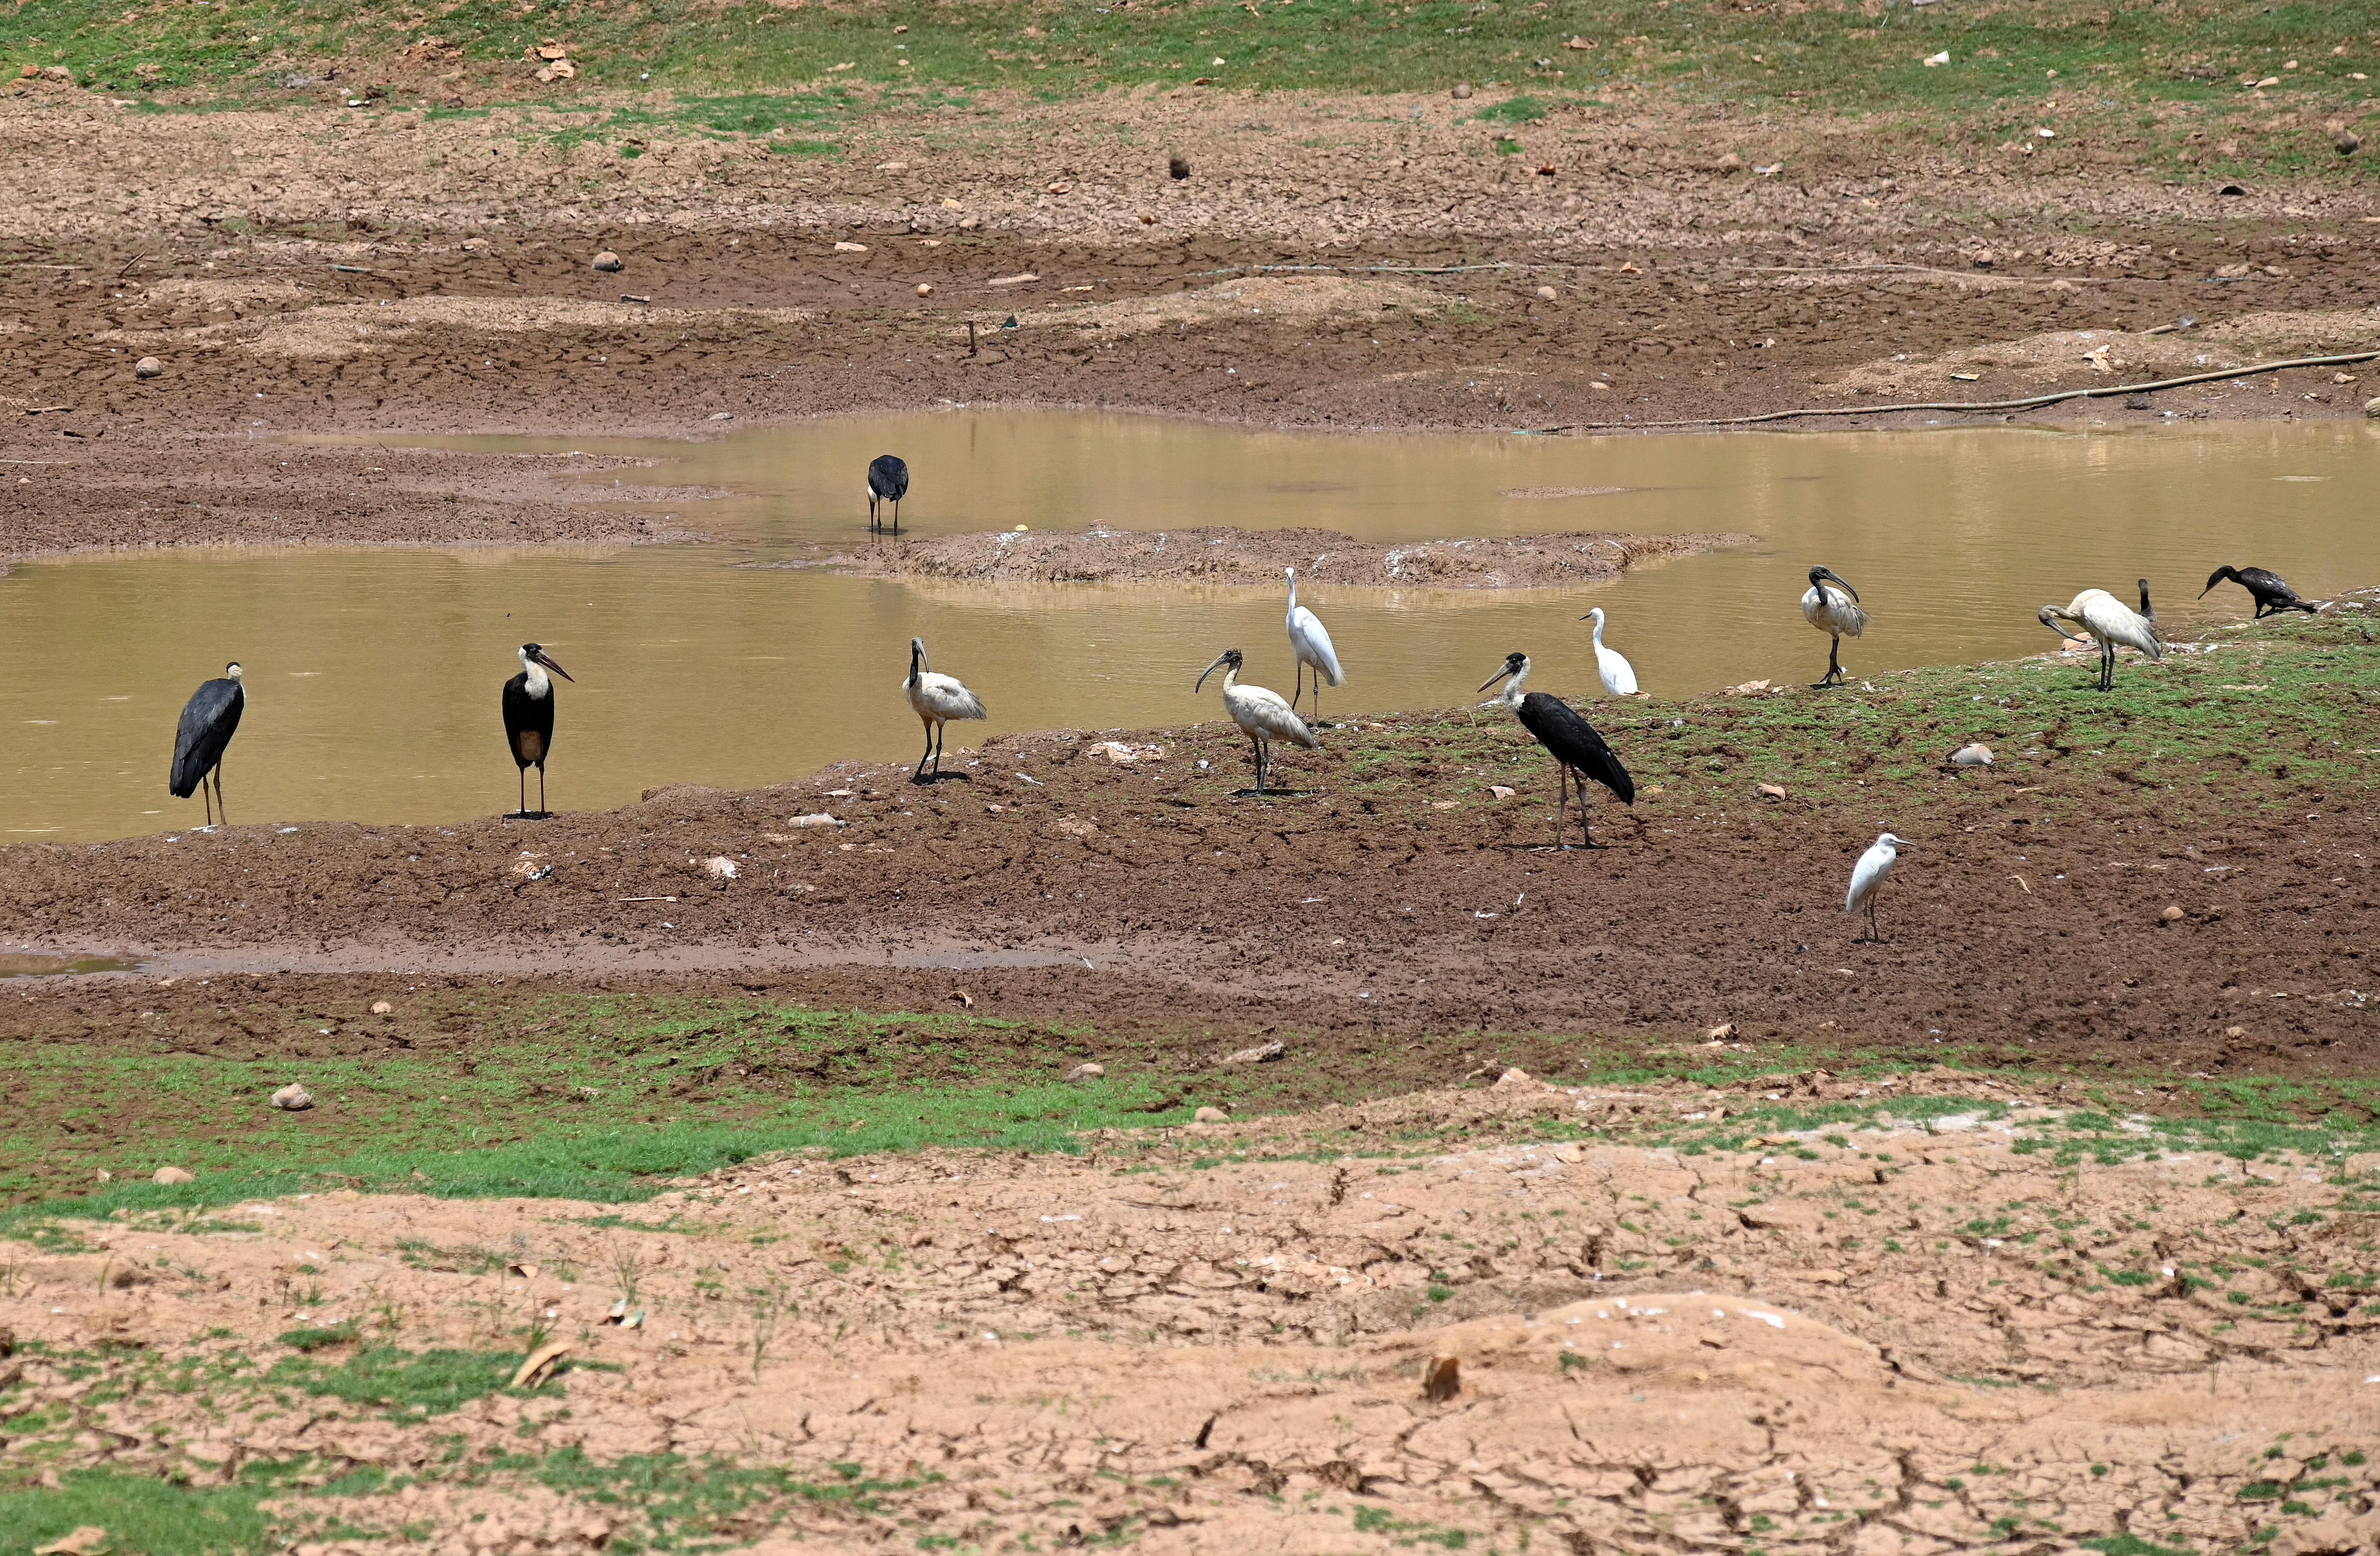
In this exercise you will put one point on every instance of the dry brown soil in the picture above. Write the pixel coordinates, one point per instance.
(1895, 1340)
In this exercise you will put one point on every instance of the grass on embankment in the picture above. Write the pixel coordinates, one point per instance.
(2012, 64)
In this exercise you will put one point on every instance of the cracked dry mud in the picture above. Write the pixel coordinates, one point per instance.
(1928, 1337)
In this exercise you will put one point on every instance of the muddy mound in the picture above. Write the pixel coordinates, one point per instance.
(1221, 554)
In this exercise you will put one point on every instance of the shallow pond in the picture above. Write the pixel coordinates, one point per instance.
(372, 674)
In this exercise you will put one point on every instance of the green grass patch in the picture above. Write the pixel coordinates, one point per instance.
(407, 1385)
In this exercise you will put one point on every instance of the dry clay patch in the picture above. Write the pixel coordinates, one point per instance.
(2003, 369)
(1303, 299)
(1921, 1338)
(337, 331)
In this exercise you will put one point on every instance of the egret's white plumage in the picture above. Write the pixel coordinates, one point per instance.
(1259, 712)
(1867, 877)
(1832, 606)
(936, 699)
(1311, 644)
(1619, 675)
(2109, 622)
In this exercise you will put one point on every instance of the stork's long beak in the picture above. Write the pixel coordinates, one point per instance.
(1500, 675)
(1210, 670)
(1829, 574)
(2049, 619)
(547, 660)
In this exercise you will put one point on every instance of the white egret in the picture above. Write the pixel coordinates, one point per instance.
(529, 722)
(1311, 644)
(1867, 877)
(208, 720)
(1258, 711)
(1619, 675)
(1836, 612)
(936, 700)
(1573, 742)
(2110, 621)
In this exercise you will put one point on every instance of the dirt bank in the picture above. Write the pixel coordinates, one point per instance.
(1224, 554)
(1915, 1336)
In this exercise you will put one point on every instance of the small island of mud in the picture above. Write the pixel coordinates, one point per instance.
(1221, 554)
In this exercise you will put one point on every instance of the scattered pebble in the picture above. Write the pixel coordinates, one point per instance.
(292, 1098)
(1547, 293)
(173, 1174)
(1087, 1072)
(846, 246)
(1210, 1116)
(608, 262)
(2348, 143)
(1461, 93)
(147, 368)
(925, 288)
(1062, 187)
(720, 867)
(1773, 791)
(1971, 755)
(1263, 1054)
(2171, 915)
(2372, 407)
(1177, 167)
(383, 1007)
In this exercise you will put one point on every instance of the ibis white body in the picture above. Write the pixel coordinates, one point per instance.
(1260, 712)
(2109, 622)
(1619, 675)
(936, 699)
(1832, 606)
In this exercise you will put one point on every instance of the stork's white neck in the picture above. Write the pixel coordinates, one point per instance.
(1514, 689)
(538, 683)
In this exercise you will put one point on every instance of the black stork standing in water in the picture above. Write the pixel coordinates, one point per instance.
(888, 481)
(1579, 750)
(209, 719)
(2272, 591)
(529, 722)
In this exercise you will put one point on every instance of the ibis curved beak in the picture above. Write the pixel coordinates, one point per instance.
(547, 660)
(1210, 670)
(1502, 674)
(1829, 574)
(2049, 619)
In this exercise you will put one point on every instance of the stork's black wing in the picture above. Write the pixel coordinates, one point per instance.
(208, 720)
(1574, 743)
(529, 722)
(887, 476)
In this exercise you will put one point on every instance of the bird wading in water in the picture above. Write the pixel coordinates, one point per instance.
(1580, 752)
(1868, 880)
(2111, 623)
(1311, 643)
(1258, 711)
(1619, 675)
(2272, 591)
(888, 481)
(936, 700)
(1832, 606)
(209, 719)
(528, 722)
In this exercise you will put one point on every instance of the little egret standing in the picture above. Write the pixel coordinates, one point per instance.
(1311, 644)
(1619, 675)
(888, 481)
(1579, 750)
(2272, 591)
(2110, 621)
(208, 720)
(936, 700)
(1867, 878)
(528, 722)
(1836, 612)
(1258, 711)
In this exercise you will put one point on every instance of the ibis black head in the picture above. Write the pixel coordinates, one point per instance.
(2220, 575)
(1823, 575)
(1515, 663)
(535, 654)
(1228, 656)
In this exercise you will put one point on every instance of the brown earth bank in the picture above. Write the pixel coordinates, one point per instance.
(1886, 1337)
(1224, 554)
(1122, 876)
(302, 272)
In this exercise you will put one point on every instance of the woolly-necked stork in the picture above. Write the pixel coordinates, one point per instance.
(888, 481)
(529, 722)
(1579, 750)
(209, 719)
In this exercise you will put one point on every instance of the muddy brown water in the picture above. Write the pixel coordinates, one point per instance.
(372, 675)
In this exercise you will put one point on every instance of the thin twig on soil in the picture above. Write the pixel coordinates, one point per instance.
(2099, 392)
